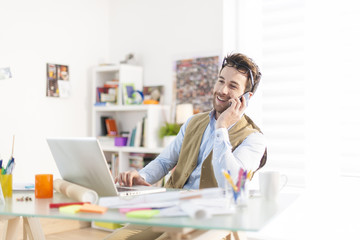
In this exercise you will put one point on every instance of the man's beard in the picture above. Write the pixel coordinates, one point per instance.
(219, 109)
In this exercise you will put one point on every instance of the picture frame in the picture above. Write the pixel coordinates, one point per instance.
(57, 80)
(195, 78)
(127, 93)
(153, 94)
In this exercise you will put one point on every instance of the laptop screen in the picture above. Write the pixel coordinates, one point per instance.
(82, 161)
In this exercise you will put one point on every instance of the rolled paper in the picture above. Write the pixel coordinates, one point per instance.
(76, 192)
(194, 211)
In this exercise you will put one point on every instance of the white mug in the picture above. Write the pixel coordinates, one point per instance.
(271, 182)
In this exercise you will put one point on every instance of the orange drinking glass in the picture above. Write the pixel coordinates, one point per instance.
(44, 186)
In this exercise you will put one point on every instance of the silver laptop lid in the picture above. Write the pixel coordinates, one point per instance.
(81, 161)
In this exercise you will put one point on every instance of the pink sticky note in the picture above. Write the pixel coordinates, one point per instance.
(126, 210)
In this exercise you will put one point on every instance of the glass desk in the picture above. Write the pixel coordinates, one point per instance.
(252, 217)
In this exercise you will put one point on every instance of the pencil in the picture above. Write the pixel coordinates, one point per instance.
(228, 178)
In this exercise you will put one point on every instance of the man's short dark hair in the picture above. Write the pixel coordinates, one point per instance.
(244, 64)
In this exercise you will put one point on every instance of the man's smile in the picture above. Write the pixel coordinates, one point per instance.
(222, 99)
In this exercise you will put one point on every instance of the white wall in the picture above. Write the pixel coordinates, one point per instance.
(33, 33)
(82, 34)
(160, 32)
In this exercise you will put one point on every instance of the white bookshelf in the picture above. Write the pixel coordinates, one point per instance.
(124, 73)
(126, 116)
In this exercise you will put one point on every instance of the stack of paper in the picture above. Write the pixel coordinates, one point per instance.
(197, 204)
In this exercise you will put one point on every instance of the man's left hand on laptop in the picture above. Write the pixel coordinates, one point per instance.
(131, 178)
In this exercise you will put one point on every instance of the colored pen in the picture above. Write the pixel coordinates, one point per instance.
(240, 176)
(57, 205)
(11, 163)
(10, 166)
(228, 178)
(244, 178)
(249, 175)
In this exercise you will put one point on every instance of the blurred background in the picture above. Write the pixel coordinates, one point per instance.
(307, 102)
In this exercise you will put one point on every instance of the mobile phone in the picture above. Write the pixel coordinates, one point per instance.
(247, 97)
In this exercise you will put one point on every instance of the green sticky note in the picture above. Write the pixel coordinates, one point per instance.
(70, 209)
(142, 213)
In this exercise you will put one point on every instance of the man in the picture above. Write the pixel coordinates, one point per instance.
(207, 143)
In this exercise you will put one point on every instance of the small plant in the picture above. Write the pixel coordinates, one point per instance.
(170, 129)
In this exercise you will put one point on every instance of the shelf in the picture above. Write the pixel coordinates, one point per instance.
(111, 148)
(110, 68)
(143, 107)
(114, 68)
(127, 117)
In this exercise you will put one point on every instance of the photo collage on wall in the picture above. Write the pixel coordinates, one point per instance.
(57, 80)
(195, 79)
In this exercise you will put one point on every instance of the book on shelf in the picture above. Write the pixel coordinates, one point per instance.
(115, 164)
(106, 94)
(132, 137)
(144, 129)
(138, 134)
(111, 127)
(103, 125)
(136, 161)
(112, 84)
(148, 157)
(137, 140)
(140, 160)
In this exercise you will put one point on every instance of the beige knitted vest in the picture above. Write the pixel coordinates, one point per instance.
(191, 146)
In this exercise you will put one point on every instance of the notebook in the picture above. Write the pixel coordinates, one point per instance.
(82, 161)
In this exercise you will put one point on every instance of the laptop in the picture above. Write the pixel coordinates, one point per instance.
(82, 161)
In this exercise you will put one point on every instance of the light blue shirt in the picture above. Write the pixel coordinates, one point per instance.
(247, 155)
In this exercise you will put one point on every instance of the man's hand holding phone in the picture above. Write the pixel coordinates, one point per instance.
(247, 98)
(234, 112)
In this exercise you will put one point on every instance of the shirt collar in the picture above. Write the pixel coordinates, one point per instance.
(212, 117)
(212, 114)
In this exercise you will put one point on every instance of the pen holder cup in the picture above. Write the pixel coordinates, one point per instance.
(239, 198)
(6, 185)
(44, 186)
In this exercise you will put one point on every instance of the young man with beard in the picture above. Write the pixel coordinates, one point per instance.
(224, 138)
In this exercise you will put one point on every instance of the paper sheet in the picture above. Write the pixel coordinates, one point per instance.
(195, 210)
(199, 204)
(24, 186)
(113, 202)
(158, 200)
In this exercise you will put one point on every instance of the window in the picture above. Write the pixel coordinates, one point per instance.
(284, 87)
(310, 95)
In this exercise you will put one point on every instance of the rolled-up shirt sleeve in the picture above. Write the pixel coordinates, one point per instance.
(166, 160)
(247, 155)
